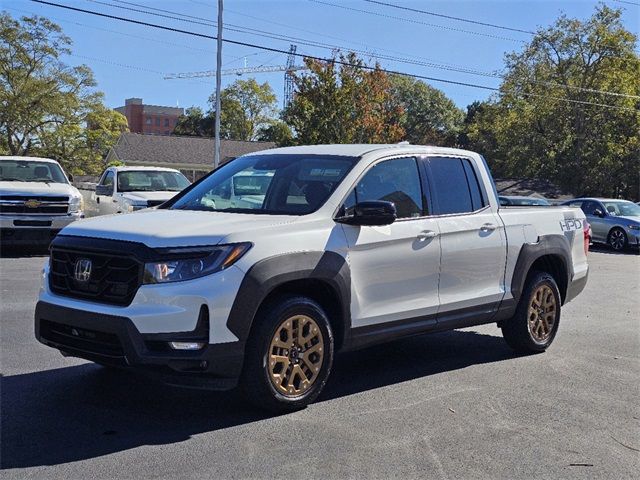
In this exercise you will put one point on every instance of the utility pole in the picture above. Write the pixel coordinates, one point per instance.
(216, 158)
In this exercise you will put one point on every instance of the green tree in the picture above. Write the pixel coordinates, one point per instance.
(551, 119)
(47, 105)
(278, 132)
(429, 116)
(195, 123)
(247, 108)
(340, 102)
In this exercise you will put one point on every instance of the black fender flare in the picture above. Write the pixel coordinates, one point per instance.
(270, 273)
(557, 245)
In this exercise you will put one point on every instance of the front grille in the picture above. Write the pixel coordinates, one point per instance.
(19, 204)
(114, 278)
(81, 339)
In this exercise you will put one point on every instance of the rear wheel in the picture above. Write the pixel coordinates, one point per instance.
(617, 239)
(535, 323)
(289, 355)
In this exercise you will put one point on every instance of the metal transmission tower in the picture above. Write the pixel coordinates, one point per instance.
(288, 76)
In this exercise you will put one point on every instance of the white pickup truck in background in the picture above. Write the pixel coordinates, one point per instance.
(127, 189)
(36, 200)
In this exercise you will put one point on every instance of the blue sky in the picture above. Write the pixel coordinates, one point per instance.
(130, 60)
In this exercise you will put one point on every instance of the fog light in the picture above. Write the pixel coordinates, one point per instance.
(186, 345)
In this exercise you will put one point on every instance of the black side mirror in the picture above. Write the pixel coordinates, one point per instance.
(70, 177)
(372, 213)
(598, 213)
(104, 190)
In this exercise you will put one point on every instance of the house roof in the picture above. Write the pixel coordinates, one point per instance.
(530, 187)
(177, 151)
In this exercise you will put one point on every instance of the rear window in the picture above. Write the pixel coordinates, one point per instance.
(456, 186)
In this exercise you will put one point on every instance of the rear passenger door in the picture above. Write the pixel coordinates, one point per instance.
(472, 241)
(599, 223)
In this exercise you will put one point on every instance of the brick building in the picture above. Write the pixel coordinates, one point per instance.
(149, 119)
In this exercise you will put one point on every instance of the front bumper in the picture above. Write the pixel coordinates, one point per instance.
(33, 229)
(115, 341)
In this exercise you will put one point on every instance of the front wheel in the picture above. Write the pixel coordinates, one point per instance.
(289, 355)
(617, 239)
(535, 323)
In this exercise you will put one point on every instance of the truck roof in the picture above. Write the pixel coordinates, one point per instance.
(358, 150)
(26, 159)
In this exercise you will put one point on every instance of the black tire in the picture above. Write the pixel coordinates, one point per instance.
(256, 382)
(617, 239)
(517, 331)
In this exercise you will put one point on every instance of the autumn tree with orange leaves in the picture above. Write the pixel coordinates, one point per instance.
(340, 102)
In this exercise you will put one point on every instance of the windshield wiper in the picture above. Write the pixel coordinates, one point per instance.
(11, 179)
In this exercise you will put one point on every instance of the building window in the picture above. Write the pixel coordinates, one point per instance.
(148, 121)
(157, 121)
(166, 122)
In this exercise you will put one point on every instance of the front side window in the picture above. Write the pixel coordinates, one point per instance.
(151, 181)
(622, 208)
(31, 171)
(107, 180)
(288, 184)
(456, 185)
(396, 181)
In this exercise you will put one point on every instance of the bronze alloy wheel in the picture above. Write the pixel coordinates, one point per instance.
(295, 356)
(542, 314)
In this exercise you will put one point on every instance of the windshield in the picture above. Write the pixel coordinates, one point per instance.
(269, 184)
(31, 171)
(622, 209)
(151, 181)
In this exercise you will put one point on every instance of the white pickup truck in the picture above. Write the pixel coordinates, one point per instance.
(36, 200)
(127, 189)
(350, 246)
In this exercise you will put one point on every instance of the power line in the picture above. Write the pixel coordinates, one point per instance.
(637, 4)
(290, 39)
(450, 17)
(419, 22)
(321, 59)
(303, 41)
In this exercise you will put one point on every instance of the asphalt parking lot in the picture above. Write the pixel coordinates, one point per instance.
(451, 405)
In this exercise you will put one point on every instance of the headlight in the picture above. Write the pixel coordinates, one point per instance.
(634, 227)
(132, 207)
(76, 204)
(189, 265)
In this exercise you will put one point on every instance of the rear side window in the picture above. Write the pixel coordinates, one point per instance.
(456, 185)
(589, 207)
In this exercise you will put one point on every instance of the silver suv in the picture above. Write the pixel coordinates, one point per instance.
(615, 222)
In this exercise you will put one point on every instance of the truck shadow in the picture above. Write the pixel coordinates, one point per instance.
(76, 413)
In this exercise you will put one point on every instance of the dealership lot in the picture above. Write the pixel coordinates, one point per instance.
(451, 405)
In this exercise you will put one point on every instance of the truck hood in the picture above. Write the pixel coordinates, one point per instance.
(145, 196)
(38, 189)
(173, 228)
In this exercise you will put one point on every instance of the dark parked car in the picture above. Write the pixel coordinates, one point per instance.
(614, 222)
(522, 201)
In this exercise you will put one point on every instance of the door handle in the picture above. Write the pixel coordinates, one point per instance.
(115, 200)
(424, 235)
(97, 199)
(488, 227)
